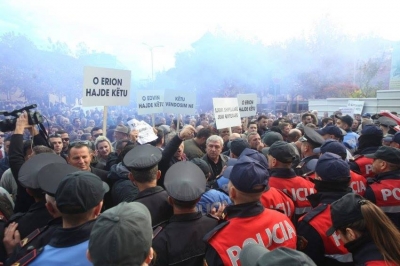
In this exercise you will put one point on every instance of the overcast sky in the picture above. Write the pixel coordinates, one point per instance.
(120, 27)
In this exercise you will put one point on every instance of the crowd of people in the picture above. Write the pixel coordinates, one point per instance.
(278, 189)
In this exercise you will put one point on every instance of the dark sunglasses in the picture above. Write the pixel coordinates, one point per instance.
(97, 135)
(65, 139)
(55, 135)
(80, 143)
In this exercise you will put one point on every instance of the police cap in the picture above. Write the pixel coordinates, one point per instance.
(28, 174)
(387, 121)
(387, 154)
(312, 136)
(50, 176)
(79, 192)
(142, 157)
(185, 181)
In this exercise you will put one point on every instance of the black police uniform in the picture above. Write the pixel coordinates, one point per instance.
(156, 200)
(180, 241)
(48, 178)
(306, 164)
(144, 158)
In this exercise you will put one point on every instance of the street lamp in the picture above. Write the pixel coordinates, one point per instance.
(152, 61)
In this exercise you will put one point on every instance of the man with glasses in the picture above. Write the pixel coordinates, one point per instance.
(96, 132)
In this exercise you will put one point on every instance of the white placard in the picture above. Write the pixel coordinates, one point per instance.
(146, 132)
(226, 112)
(356, 105)
(247, 104)
(347, 111)
(179, 102)
(150, 101)
(106, 86)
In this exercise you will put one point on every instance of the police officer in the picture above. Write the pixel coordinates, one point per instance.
(383, 190)
(309, 141)
(271, 198)
(358, 183)
(142, 162)
(247, 220)
(282, 177)
(180, 241)
(368, 142)
(37, 216)
(79, 198)
(49, 178)
(331, 182)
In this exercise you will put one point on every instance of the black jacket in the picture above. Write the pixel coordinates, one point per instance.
(181, 241)
(156, 200)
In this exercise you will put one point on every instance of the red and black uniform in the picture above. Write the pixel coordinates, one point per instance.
(248, 223)
(358, 183)
(312, 227)
(296, 187)
(366, 253)
(273, 198)
(384, 191)
(362, 164)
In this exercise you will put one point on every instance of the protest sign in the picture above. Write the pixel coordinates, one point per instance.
(226, 112)
(179, 102)
(150, 101)
(106, 87)
(247, 104)
(347, 111)
(356, 105)
(146, 132)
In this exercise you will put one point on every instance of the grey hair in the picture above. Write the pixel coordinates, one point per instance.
(251, 134)
(214, 138)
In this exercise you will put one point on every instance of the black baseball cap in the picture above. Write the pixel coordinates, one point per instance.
(270, 138)
(79, 192)
(238, 145)
(386, 153)
(345, 211)
(331, 130)
(255, 155)
(282, 152)
(28, 174)
(248, 175)
(371, 129)
(345, 119)
(142, 157)
(329, 161)
(333, 146)
(185, 181)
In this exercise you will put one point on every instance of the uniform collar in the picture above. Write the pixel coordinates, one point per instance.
(363, 250)
(185, 217)
(244, 210)
(388, 175)
(282, 172)
(149, 191)
(67, 237)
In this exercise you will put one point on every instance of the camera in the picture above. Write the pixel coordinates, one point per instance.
(8, 124)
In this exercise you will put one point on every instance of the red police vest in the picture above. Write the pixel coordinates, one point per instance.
(320, 219)
(365, 165)
(277, 200)
(270, 228)
(297, 188)
(387, 195)
(358, 183)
